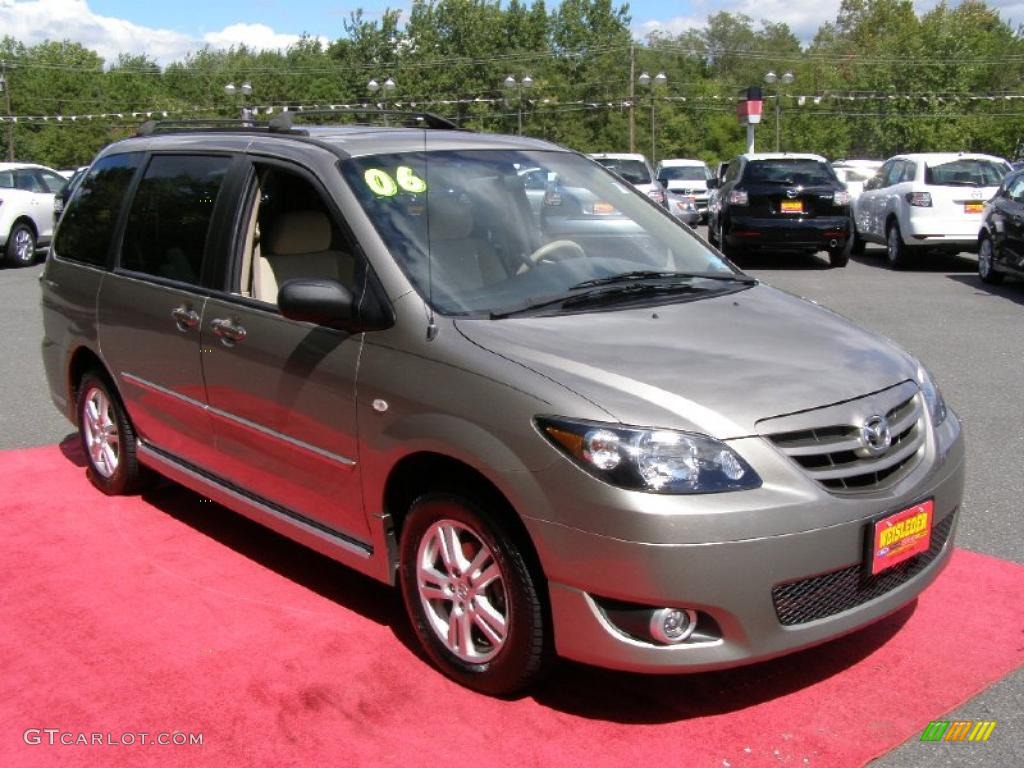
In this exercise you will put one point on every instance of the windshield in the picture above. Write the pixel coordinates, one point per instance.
(966, 172)
(684, 173)
(505, 229)
(794, 173)
(633, 171)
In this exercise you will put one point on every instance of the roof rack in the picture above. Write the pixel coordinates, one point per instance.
(150, 127)
(283, 120)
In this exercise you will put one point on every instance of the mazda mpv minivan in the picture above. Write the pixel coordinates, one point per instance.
(607, 444)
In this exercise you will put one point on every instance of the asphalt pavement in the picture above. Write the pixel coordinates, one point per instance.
(970, 335)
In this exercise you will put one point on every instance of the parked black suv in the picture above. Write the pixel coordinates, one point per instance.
(781, 202)
(1001, 240)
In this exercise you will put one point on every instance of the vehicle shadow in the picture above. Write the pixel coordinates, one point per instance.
(71, 447)
(780, 260)
(576, 689)
(1012, 290)
(931, 262)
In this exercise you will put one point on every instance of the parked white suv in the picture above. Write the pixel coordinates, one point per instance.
(686, 177)
(26, 209)
(926, 201)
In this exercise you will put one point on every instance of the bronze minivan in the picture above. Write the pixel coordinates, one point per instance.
(558, 419)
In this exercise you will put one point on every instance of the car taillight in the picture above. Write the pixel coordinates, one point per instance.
(657, 195)
(738, 197)
(841, 197)
(920, 199)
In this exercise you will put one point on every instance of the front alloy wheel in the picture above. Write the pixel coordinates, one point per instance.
(986, 268)
(463, 599)
(474, 601)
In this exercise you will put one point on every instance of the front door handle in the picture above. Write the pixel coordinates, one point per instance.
(229, 331)
(185, 317)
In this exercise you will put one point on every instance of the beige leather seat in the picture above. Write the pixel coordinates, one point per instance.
(298, 245)
(461, 261)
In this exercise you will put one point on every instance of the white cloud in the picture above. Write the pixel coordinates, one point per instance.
(674, 26)
(32, 21)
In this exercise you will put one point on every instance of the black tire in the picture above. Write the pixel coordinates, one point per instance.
(857, 248)
(897, 253)
(21, 245)
(712, 236)
(986, 257)
(524, 653)
(839, 257)
(121, 475)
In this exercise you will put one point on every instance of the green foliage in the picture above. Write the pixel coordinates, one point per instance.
(877, 80)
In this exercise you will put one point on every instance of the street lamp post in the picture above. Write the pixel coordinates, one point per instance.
(778, 81)
(6, 91)
(385, 89)
(524, 83)
(244, 91)
(651, 82)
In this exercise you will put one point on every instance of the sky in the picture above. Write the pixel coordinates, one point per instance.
(166, 31)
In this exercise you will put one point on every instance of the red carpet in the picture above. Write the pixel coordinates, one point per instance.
(170, 614)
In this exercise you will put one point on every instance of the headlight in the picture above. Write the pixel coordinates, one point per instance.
(651, 460)
(932, 396)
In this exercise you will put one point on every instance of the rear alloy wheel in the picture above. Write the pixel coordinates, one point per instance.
(21, 245)
(472, 600)
(896, 252)
(986, 268)
(108, 438)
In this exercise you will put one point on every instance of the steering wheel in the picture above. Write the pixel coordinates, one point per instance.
(568, 248)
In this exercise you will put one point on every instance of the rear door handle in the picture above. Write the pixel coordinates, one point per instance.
(228, 330)
(185, 317)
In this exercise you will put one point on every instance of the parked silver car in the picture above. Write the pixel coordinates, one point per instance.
(556, 435)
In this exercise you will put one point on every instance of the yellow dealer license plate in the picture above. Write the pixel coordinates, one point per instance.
(792, 206)
(975, 206)
(900, 536)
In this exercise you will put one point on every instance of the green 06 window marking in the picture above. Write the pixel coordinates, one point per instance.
(383, 184)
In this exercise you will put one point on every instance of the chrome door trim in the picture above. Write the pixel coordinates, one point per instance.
(251, 425)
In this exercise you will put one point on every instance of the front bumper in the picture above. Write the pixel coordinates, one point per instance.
(784, 234)
(737, 583)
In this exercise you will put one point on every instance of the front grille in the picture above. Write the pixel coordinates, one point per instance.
(831, 593)
(833, 455)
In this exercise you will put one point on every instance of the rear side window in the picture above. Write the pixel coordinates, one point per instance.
(26, 181)
(170, 216)
(88, 223)
(965, 173)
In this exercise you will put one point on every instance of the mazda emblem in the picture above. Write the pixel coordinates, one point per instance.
(876, 436)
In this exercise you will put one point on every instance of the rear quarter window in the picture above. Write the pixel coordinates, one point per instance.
(88, 224)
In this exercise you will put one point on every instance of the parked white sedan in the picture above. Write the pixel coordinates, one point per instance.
(919, 202)
(26, 209)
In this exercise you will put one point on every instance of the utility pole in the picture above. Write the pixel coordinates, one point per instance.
(6, 88)
(632, 95)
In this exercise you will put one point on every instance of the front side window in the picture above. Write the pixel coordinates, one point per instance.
(292, 234)
(965, 172)
(88, 223)
(170, 216)
(476, 239)
(791, 173)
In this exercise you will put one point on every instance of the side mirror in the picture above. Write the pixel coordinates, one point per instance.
(324, 302)
(873, 183)
(713, 183)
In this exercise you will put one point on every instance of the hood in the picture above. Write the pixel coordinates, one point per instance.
(716, 365)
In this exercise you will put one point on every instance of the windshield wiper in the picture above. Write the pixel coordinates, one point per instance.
(647, 274)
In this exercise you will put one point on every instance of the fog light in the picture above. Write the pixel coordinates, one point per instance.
(672, 625)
